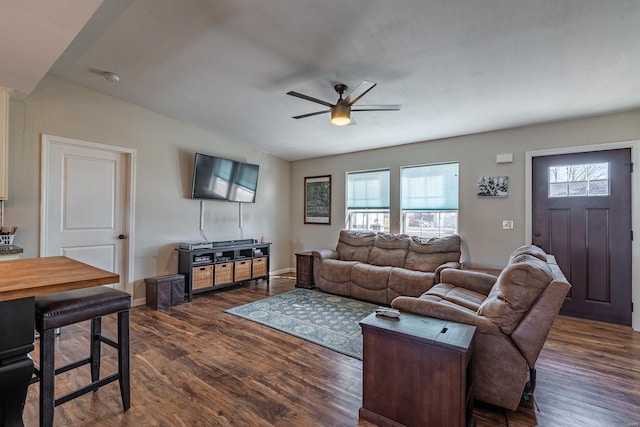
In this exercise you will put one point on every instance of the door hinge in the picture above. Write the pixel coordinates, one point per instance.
(632, 307)
(632, 235)
(630, 166)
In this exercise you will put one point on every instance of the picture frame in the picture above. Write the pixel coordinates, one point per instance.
(317, 199)
(493, 186)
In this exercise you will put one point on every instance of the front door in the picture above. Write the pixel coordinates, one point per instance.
(85, 203)
(582, 216)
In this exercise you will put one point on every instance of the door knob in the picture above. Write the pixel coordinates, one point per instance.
(122, 237)
(537, 234)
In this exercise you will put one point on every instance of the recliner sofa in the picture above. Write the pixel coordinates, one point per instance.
(378, 267)
(513, 314)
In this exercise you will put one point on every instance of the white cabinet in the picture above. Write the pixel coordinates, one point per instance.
(4, 143)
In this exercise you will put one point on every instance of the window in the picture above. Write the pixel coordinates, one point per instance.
(368, 200)
(579, 180)
(429, 199)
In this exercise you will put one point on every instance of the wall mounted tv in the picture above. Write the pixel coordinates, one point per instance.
(224, 179)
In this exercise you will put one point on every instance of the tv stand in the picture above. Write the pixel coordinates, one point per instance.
(226, 263)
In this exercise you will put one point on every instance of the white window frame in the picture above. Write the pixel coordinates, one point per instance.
(425, 228)
(438, 222)
(368, 218)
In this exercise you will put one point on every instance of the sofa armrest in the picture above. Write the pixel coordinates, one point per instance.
(472, 280)
(437, 308)
(532, 332)
(450, 264)
(325, 254)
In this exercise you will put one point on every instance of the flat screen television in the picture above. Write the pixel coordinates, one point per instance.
(218, 178)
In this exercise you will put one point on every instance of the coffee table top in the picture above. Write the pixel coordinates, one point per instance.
(452, 335)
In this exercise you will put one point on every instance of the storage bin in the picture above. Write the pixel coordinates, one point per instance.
(202, 277)
(242, 270)
(260, 267)
(224, 273)
(165, 291)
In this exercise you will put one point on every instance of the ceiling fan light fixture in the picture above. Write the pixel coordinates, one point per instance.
(341, 110)
(341, 115)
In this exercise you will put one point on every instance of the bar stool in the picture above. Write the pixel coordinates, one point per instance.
(66, 308)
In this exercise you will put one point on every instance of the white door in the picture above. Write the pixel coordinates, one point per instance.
(85, 204)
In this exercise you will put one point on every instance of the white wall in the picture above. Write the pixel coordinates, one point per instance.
(165, 148)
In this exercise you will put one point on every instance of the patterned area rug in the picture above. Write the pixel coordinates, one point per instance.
(328, 320)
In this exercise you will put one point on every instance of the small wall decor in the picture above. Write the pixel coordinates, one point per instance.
(493, 186)
(317, 199)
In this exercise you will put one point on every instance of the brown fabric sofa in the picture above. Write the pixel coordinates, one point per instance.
(513, 314)
(378, 267)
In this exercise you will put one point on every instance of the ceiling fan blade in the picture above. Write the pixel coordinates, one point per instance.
(359, 92)
(309, 98)
(302, 116)
(377, 108)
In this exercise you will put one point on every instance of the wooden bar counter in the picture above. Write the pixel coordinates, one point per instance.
(20, 281)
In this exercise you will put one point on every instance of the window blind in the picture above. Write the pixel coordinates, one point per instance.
(368, 190)
(429, 187)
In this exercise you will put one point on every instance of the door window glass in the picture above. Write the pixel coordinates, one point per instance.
(579, 180)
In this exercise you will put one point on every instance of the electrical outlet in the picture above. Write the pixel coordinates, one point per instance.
(507, 224)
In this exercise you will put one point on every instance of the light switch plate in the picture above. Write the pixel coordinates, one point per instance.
(507, 224)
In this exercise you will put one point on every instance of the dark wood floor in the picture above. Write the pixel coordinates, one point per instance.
(194, 365)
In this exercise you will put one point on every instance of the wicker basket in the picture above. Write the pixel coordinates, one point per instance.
(6, 239)
(242, 270)
(224, 273)
(202, 277)
(259, 267)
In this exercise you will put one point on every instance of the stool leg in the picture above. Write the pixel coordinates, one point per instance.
(96, 330)
(47, 376)
(124, 369)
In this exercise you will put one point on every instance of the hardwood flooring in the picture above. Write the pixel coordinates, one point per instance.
(194, 365)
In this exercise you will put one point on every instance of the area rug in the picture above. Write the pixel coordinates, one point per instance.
(328, 320)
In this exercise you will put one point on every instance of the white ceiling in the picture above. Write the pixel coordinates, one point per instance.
(457, 66)
(34, 33)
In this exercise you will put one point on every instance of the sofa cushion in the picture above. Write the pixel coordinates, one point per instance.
(335, 270)
(517, 287)
(355, 245)
(369, 282)
(370, 276)
(408, 282)
(529, 250)
(427, 254)
(389, 249)
(461, 296)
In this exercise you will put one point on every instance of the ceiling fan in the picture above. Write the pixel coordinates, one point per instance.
(341, 110)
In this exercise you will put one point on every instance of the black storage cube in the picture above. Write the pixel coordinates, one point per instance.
(165, 291)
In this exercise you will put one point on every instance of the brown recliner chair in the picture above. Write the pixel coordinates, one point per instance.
(513, 314)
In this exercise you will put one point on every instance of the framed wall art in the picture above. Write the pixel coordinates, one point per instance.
(317, 199)
(493, 186)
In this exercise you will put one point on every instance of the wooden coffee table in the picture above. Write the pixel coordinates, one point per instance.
(416, 371)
